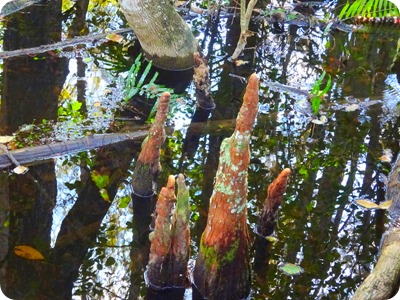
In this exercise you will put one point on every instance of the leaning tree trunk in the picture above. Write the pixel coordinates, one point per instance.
(383, 282)
(164, 36)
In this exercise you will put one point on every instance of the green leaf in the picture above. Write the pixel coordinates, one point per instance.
(144, 75)
(101, 180)
(303, 171)
(76, 105)
(328, 85)
(124, 202)
(343, 11)
(271, 239)
(361, 7)
(315, 104)
(291, 269)
(104, 195)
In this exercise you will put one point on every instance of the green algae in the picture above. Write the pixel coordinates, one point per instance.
(212, 257)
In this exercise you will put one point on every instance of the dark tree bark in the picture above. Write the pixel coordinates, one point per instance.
(30, 93)
(41, 25)
(80, 227)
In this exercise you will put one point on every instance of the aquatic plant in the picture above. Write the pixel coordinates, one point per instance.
(317, 94)
(134, 82)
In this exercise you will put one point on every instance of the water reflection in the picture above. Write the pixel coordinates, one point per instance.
(319, 226)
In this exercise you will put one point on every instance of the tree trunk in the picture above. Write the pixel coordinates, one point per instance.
(383, 282)
(164, 36)
(222, 269)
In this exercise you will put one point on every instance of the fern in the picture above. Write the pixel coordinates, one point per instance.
(369, 8)
(134, 86)
(317, 94)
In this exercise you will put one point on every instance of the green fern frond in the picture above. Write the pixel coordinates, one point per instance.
(134, 86)
(369, 8)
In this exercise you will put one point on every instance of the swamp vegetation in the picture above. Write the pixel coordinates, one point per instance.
(84, 154)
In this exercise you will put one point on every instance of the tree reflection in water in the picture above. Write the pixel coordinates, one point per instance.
(319, 226)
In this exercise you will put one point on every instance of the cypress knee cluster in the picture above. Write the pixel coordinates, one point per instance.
(169, 251)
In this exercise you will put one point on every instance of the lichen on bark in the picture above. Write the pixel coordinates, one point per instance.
(222, 269)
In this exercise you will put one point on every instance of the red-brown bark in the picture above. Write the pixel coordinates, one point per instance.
(169, 251)
(157, 268)
(144, 180)
(274, 199)
(181, 235)
(222, 268)
(148, 163)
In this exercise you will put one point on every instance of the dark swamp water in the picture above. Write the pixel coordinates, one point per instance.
(78, 90)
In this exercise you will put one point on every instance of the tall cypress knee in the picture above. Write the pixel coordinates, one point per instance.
(222, 269)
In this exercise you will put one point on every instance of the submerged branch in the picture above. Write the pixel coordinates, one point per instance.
(96, 38)
(31, 154)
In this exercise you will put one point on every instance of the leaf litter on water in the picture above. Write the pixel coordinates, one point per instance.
(28, 252)
(291, 269)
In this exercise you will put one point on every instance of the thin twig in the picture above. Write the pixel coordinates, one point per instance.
(10, 156)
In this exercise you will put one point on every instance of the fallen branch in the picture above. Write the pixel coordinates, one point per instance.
(63, 44)
(31, 154)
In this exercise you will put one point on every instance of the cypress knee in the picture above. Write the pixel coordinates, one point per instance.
(276, 189)
(222, 269)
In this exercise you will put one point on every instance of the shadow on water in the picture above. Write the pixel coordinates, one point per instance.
(95, 246)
